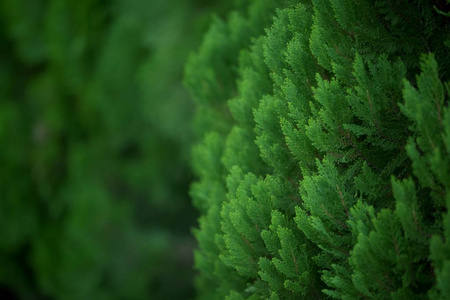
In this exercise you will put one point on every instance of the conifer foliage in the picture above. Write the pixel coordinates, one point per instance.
(323, 158)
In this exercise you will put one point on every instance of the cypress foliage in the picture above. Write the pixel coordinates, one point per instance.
(210, 76)
(324, 171)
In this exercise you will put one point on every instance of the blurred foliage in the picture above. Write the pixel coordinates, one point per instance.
(94, 128)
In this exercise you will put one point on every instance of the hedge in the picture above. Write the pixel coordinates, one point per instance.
(323, 151)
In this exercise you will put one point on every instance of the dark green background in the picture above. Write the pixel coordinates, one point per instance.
(95, 137)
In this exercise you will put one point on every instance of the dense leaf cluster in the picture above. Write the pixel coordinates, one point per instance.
(323, 159)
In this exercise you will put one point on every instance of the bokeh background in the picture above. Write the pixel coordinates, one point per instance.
(94, 147)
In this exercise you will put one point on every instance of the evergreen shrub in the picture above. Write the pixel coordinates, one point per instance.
(323, 152)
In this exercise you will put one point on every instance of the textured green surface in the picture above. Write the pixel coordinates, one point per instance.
(323, 152)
